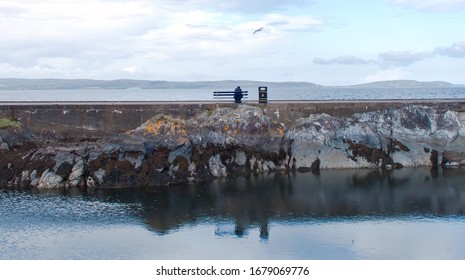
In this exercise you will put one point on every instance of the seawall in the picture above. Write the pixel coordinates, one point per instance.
(94, 119)
(150, 144)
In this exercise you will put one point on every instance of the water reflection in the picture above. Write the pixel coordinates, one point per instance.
(257, 201)
(343, 214)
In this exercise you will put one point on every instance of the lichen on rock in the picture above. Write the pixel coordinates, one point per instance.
(163, 129)
(244, 125)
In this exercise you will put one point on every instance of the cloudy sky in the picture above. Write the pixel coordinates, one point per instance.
(328, 42)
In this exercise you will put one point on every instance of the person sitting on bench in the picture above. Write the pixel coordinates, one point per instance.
(238, 95)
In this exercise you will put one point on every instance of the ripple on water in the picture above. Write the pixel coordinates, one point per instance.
(20, 208)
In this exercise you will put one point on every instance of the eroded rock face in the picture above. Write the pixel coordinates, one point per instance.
(233, 142)
(388, 138)
(16, 139)
(244, 126)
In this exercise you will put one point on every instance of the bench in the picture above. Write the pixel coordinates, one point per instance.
(219, 95)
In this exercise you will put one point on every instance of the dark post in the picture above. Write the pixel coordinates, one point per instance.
(262, 94)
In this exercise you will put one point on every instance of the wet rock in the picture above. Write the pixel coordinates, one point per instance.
(217, 167)
(184, 150)
(16, 139)
(240, 158)
(315, 168)
(76, 174)
(34, 180)
(434, 158)
(90, 182)
(100, 176)
(4, 146)
(25, 178)
(304, 169)
(452, 164)
(64, 169)
(182, 170)
(50, 180)
(453, 158)
(268, 166)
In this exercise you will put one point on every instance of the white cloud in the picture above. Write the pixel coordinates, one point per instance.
(69, 19)
(385, 60)
(190, 39)
(432, 5)
(344, 59)
(401, 58)
(241, 6)
(131, 69)
(109, 35)
(197, 35)
(89, 30)
(455, 50)
(293, 23)
(35, 71)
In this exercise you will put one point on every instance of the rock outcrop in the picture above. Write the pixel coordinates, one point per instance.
(232, 142)
(410, 136)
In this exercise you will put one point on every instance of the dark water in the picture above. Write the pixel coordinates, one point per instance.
(414, 213)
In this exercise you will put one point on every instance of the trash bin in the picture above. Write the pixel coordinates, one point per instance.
(262, 94)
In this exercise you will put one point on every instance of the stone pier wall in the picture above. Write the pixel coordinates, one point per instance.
(95, 120)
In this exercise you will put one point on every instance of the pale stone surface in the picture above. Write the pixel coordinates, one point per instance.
(76, 173)
(50, 180)
(217, 167)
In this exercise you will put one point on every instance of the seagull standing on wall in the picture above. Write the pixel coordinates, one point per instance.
(258, 30)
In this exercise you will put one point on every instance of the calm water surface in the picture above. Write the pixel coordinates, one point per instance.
(274, 93)
(414, 213)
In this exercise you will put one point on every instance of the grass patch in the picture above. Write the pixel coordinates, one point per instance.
(6, 123)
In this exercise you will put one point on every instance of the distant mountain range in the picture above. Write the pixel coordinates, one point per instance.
(54, 84)
(406, 84)
(45, 84)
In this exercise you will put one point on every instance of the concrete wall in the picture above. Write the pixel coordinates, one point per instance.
(95, 120)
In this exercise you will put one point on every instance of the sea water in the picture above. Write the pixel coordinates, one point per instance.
(274, 93)
(412, 213)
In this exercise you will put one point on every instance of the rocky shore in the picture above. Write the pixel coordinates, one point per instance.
(230, 142)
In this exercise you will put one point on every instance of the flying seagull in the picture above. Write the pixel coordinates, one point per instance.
(258, 30)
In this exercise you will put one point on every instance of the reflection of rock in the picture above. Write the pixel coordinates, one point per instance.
(233, 142)
(242, 206)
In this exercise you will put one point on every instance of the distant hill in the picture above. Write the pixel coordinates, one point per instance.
(405, 84)
(54, 84)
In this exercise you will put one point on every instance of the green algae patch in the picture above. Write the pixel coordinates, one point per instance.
(7, 123)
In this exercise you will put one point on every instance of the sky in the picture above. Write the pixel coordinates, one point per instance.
(327, 42)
